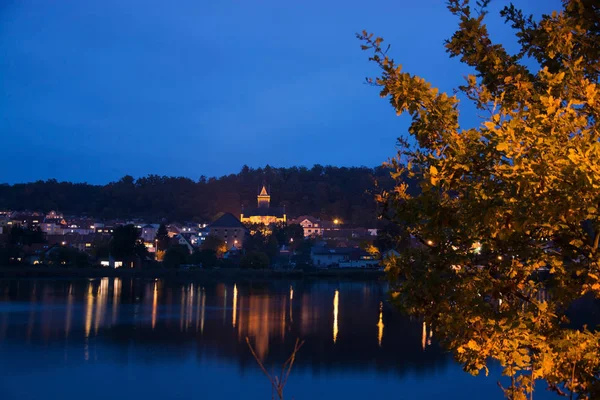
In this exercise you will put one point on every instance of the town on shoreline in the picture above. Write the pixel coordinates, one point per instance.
(264, 237)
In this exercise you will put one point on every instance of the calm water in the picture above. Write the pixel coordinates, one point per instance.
(112, 338)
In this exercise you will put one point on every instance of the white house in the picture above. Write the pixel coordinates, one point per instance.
(311, 225)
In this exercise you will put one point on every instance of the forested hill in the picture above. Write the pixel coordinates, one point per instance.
(325, 192)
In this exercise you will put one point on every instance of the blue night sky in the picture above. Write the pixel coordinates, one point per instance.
(94, 90)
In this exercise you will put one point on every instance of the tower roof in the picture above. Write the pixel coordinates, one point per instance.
(263, 191)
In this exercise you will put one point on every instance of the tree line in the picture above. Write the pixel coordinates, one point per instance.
(326, 192)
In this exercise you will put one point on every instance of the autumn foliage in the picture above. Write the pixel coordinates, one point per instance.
(509, 213)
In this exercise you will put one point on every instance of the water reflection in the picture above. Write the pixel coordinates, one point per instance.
(96, 315)
(235, 294)
(336, 298)
(380, 325)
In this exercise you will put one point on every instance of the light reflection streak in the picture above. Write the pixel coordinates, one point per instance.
(202, 309)
(380, 324)
(182, 309)
(69, 310)
(235, 295)
(224, 305)
(101, 303)
(89, 310)
(198, 295)
(424, 336)
(116, 297)
(335, 315)
(291, 299)
(190, 307)
(154, 304)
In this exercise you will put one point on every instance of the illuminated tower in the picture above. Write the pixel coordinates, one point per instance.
(264, 199)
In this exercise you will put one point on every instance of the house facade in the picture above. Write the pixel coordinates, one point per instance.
(229, 229)
(312, 226)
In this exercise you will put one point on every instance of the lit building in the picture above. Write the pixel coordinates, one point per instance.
(229, 229)
(311, 225)
(263, 213)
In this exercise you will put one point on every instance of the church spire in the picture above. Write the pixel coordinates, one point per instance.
(264, 199)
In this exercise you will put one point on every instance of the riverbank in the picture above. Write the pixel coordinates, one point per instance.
(223, 274)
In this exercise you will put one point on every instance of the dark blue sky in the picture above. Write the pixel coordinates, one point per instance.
(93, 90)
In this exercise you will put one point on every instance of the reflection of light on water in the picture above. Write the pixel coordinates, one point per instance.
(380, 324)
(258, 323)
(291, 298)
(335, 315)
(182, 309)
(202, 309)
(101, 303)
(235, 294)
(190, 307)
(154, 302)
(425, 341)
(69, 309)
(224, 305)
(283, 320)
(198, 297)
(89, 310)
(116, 297)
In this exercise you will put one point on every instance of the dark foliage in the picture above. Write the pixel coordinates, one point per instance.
(322, 191)
(162, 237)
(175, 256)
(125, 243)
(206, 258)
(67, 256)
(19, 236)
(255, 260)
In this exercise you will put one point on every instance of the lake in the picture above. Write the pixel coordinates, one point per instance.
(112, 338)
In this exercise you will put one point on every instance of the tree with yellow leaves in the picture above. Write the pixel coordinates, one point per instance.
(509, 213)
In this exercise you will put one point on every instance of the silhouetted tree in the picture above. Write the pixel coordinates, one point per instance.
(162, 237)
(215, 244)
(208, 258)
(255, 260)
(175, 256)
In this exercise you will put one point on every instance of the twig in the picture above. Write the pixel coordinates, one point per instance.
(278, 382)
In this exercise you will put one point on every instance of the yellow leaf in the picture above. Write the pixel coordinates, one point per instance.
(433, 170)
(489, 124)
(502, 146)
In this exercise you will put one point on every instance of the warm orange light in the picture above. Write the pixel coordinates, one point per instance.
(154, 304)
(380, 324)
(430, 242)
(235, 296)
(335, 315)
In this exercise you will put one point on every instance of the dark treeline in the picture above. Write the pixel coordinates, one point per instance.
(322, 191)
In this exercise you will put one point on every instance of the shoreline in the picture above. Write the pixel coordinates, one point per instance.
(224, 274)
